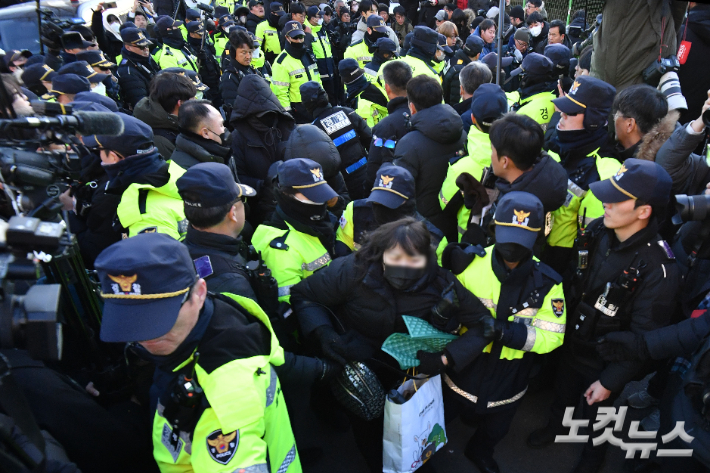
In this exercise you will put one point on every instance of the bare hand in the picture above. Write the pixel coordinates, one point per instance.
(559, 89)
(67, 200)
(92, 390)
(707, 188)
(596, 393)
(698, 125)
(334, 200)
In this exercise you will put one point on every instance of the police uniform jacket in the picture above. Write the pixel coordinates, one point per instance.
(371, 310)
(650, 306)
(134, 74)
(451, 83)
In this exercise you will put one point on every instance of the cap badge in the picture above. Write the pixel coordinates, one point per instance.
(573, 89)
(386, 182)
(521, 217)
(126, 284)
(620, 172)
(316, 174)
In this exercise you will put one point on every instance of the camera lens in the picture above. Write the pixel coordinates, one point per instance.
(706, 117)
(693, 207)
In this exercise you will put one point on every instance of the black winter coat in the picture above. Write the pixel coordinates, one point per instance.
(230, 80)
(252, 22)
(164, 125)
(451, 83)
(134, 75)
(651, 305)
(193, 149)
(257, 143)
(370, 310)
(436, 136)
(392, 127)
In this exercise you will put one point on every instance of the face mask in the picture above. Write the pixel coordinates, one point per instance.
(17, 73)
(320, 21)
(199, 95)
(256, 54)
(375, 35)
(175, 35)
(402, 277)
(535, 31)
(439, 56)
(115, 27)
(243, 19)
(100, 89)
(297, 46)
(512, 252)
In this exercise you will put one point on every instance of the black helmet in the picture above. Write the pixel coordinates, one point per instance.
(359, 390)
(309, 141)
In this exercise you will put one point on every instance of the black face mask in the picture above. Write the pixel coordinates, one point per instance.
(303, 212)
(175, 35)
(512, 252)
(403, 277)
(297, 46)
(374, 36)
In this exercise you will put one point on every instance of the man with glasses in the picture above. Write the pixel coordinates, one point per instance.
(142, 183)
(202, 135)
(137, 67)
(535, 6)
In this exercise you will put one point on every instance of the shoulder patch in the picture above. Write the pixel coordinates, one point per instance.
(558, 307)
(343, 221)
(222, 447)
(149, 230)
(124, 62)
(666, 249)
(279, 243)
(460, 61)
(281, 58)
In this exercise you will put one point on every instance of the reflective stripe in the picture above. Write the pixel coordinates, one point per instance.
(575, 189)
(312, 66)
(548, 326)
(488, 303)
(530, 340)
(527, 312)
(344, 138)
(461, 229)
(364, 58)
(285, 290)
(370, 72)
(355, 166)
(260, 468)
(290, 457)
(315, 264)
(296, 71)
(474, 399)
(443, 199)
(282, 84)
(325, 76)
(271, 390)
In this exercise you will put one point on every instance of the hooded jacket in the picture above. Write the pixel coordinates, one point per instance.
(164, 125)
(257, 137)
(361, 31)
(436, 136)
(654, 139)
(230, 80)
(547, 180)
(191, 149)
(694, 72)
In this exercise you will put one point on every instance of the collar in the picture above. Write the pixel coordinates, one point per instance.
(397, 103)
(224, 243)
(629, 152)
(514, 276)
(639, 238)
(201, 148)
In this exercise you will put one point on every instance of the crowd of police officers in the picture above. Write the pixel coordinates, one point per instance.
(293, 179)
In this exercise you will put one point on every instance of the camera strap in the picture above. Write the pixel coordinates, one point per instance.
(699, 242)
(14, 403)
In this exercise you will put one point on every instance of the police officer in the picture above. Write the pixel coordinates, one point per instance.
(191, 15)
(322, 51)
(101, 65)
(363, 96)
(299, 239)
(214, 206)
(83, 69)
(392, 198)
(267, 33)
(587, 154)
(535, 96)
(627, 279)
(294, 66)
(526, 300)
(217, 400)
(174, 51)
(137, 67)
(487, 105)
(144, 184)
(348, 131)
(421, 54)
(65, 87)
(362, 49)
(220, 37)
(451, 83)
(384, 50)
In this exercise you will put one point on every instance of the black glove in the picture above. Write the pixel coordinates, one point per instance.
(431, 363)
(328, 369)
(442, 312)
(475, 196)
(622, 346)
(492, 328)
(331, 344)
(457, 256)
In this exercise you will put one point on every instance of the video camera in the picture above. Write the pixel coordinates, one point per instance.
(52, 28)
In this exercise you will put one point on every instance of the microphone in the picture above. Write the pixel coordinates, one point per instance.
(86, 123)
(51, 109)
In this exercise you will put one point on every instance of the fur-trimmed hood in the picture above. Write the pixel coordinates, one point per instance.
(654, 139)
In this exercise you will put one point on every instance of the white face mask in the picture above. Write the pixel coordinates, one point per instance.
(256, 54)
(535, 31)
(100, 89)
(115, 27)
(320, 21)
(243, 19)
(17, 73)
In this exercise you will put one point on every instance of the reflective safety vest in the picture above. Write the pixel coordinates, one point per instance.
(544, 320)
(376, 79)
(268, 38)
(221, 43)
(230, 4)
(322, 51)
(246, 426)
(479, 158)
(258, 62)
(539, 107)
(439, 67)
(420, 67)
(566, 218)
(360, 52)
(287, 76)
(290, 254)
(147, 209)
(166, 56)
(371, 112)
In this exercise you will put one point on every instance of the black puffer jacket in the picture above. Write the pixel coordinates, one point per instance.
(191, 149)
(392, 127)
(164, 125)
(436, 136)
(260, 125)
(371, 310)
(230, 80)
(547, 180)
(252, 22)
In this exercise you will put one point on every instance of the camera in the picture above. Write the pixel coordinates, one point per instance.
(653, 73)
(692, 207)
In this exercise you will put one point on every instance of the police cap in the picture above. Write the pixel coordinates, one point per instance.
(519, 218)
(137, 138)
(211, 185)
(393, 186)
(637, 179)
(305, 176)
